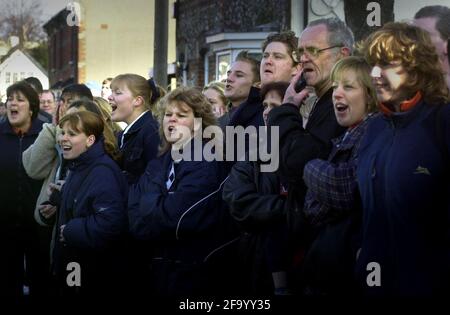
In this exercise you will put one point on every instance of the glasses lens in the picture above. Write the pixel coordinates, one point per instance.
(311, 51)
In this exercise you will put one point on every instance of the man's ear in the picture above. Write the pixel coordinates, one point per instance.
(345, 51)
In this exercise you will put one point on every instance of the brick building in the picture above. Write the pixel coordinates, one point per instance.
(112, 37)
(210, 33)
(63, 51)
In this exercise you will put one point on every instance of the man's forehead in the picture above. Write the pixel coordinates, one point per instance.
(241, 66)
(315, 35)
(276, 47)
(47, 94)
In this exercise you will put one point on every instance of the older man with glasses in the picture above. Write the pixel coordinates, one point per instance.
(321, 45)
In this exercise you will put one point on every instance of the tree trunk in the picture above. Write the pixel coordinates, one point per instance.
(362, 15)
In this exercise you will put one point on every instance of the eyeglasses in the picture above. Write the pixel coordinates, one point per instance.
(314, 51)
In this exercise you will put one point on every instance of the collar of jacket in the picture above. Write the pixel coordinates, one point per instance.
(245, 112)
(404, 106)
(36, 126)
(354, 134)
(87, 158)
(400, 119)
(254, 95)
(139, 123)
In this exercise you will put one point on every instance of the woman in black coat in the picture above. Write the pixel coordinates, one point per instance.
(91, 221)
(177, 205)
(20, 235)
(130, 101)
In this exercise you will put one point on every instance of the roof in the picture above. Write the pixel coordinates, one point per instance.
(16, 48)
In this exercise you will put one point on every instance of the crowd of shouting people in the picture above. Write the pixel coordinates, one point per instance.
(358, 206)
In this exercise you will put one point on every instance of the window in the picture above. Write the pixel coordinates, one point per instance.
(15, 77)
(8, 77)
(223, 63)
(22, 75)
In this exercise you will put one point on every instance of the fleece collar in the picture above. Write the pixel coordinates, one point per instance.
(404, 106)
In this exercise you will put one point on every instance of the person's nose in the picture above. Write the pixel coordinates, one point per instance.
(268, 59)
(338, 93)
(63, 137)
(173, 118)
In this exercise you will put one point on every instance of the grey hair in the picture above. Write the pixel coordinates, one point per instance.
(338, 32)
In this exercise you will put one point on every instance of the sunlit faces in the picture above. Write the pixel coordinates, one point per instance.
(271, 100)
(217, 104)
(74, 143)
(317, 69)
(239, 81)
(47, 102)
(350, 99)
(122, 103)
(277, 64)
(388, 80)
(18, 111)
(178, 123)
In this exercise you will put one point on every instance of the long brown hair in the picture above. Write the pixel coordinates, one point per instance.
(193, 98)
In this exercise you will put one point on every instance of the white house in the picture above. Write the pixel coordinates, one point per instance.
(18, 65)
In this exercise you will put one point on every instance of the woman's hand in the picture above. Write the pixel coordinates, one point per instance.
(55, 186)
(47, 211)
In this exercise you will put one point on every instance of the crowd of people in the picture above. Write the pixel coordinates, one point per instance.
(358, 206)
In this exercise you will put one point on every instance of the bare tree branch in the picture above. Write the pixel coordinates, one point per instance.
(22, 18)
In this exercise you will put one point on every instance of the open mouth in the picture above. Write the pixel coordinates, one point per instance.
(113, 107)
(66, 147)
(171, 129)
(341, 107)
(268, 71)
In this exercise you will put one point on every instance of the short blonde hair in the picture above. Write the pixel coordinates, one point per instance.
(362, 70)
